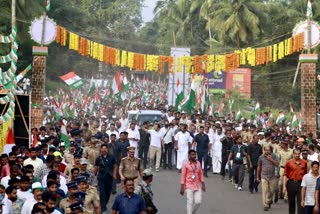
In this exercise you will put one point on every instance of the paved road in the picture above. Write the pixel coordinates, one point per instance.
(221, 197)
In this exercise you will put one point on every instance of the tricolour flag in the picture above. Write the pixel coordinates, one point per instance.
(190, 102)
(220, 107)
(72, 80)
(57, 111)
(48, 5)
(280, 118)
(295, 122)
(116, 84)
(291, 110)
(238, 115)
(125, 83)
(270, 120)
(64, 135)
(309, 9)
(256, 109)
(179, 94)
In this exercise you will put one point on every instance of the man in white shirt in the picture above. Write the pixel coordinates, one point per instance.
(217, 151)
(113, 130)
(313, 156)
(308, 188)
(156, 143)
(24, 191)
(168, 134)
(37, 191)
(183, 140)
(133, 137)
(50, 201)
(124, 122)
(33, 159)
(14, 173)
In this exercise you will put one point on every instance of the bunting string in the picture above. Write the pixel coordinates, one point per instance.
(191, 64)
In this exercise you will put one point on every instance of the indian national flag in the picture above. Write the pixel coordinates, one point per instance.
(256, 109)
(210, 110)
(238, 115)
(72, 80)
(57, 111)
(295, 122)
(309, 9)
(190, 102)
(231, 105)
(48, 5)
(220, 107)
(125, 83)
(270, 120)
(64, 135)
(280, 118)
(179, 94)
(116, 83)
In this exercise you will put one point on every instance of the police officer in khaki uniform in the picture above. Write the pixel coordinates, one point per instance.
(285, 154)
(91, 153)
(91, 202)
(131, 167)
(68, 155)
(66, 202)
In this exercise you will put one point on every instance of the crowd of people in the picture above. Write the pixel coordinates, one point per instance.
(111, 155)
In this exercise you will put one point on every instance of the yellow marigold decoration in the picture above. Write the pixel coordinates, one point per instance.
(281, 50)
(152, 63)
(130, 60)
(220, 63)
(275, 53)
(73, 41)
(124, 58)
(251, 56)
(211, 63)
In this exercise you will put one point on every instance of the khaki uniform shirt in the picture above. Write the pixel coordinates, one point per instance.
(249, 137)
(64, 205)
(68, 169)
(130, 168)
(91, 200)
(91, 153)
(276, 148)
(68, 158)
(285, 156)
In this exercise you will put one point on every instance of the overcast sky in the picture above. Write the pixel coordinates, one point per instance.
(147, 12)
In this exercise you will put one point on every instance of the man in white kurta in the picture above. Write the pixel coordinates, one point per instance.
(182, 140)
(216, 151)
(133, 137)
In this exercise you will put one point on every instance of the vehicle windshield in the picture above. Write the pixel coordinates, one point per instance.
(148, 117)
(131, 116)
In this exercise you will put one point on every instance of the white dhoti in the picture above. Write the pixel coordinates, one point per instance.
(182, 157)
(216, 164)
(216, 155)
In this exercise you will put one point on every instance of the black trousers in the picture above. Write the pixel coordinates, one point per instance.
(167, 155)
(203, 156)
(252, 178)
(294, 193)
(143, 155)
(223, 166)
(105, 187)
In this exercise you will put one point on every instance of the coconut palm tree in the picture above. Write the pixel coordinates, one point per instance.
(238, 22)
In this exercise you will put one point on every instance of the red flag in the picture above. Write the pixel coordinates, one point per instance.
(10, 138)
(35, 138)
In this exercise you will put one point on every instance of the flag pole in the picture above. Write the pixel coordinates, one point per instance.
(309, 35)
